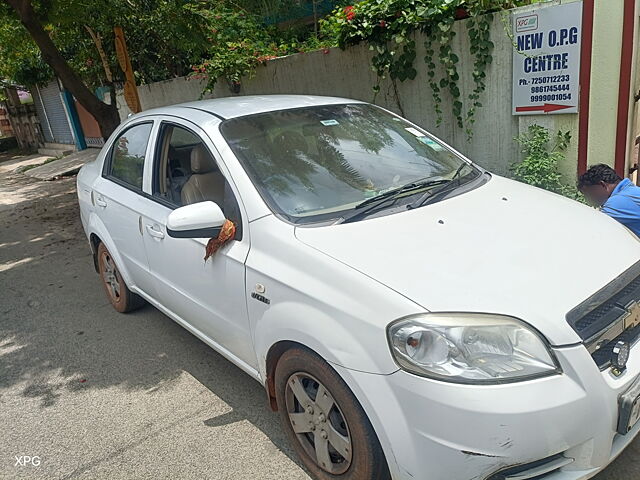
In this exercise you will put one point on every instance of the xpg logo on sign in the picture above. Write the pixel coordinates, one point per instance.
(27, 461)
(526, 23)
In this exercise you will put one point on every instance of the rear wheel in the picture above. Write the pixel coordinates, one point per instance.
(122, 299)
(324, 421)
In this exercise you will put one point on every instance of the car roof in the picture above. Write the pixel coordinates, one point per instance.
(238, 106)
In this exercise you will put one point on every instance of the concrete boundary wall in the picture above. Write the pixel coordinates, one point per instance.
(348, 74)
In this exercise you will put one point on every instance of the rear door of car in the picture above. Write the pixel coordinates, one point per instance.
(118, 199)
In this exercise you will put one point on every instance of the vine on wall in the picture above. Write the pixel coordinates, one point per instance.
(388, 27)
(543, 154)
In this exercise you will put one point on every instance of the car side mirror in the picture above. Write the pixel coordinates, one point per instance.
(198, 220)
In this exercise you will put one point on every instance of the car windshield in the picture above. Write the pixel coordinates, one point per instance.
(315, 163)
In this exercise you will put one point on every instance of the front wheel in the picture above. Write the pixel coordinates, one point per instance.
(324, 421)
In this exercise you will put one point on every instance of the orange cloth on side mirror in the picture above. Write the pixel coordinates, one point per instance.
(227, 232)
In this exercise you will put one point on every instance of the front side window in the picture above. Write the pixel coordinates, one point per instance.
(128, 153)
(186, 172)
(316, 163)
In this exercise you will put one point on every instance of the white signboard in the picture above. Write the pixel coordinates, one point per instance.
(546, 59)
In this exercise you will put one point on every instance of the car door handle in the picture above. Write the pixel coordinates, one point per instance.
(154, 232)
(100, 202)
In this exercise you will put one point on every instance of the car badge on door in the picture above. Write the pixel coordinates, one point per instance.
(260, 298)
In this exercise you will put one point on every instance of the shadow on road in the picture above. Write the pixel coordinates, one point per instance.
(59, 335)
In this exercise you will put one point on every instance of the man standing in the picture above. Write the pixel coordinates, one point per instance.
(620, 199)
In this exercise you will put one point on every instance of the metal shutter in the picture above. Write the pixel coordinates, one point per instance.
(44, 126)
(55, 114)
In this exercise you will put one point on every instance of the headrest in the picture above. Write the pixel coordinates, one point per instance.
(201, 160)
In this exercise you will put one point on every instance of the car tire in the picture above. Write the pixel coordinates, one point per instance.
(324, 422)
(121, 298)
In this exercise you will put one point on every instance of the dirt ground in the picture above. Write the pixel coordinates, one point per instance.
(95, 394)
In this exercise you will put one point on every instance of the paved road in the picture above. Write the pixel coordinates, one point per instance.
(100, 395)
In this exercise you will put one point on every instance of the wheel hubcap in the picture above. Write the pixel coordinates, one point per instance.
(318, 423)
(111, 276)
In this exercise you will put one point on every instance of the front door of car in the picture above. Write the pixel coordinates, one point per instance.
(119, 200)
(207, 297)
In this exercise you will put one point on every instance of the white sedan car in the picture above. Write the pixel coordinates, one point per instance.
(410, 315)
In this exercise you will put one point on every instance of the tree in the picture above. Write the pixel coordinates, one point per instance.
(21, 65)
(74, 40)
(106, 115)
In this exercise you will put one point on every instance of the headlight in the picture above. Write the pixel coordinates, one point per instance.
(470, 348)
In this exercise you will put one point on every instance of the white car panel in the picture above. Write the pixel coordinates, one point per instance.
(455, 256)
(481, 430)
(200, 215)
(501, 248)
(318, 302)
(209, 295)
(232, 107)
(120, 213)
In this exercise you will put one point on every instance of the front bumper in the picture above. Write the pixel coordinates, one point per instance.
(433, 430)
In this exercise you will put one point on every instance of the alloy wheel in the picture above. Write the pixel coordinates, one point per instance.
(111, 276)
(318, 422)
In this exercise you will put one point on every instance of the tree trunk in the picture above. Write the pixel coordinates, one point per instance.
(106, 115)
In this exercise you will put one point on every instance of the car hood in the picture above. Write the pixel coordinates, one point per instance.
(504, 247)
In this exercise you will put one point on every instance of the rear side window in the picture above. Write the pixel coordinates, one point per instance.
(127, 155)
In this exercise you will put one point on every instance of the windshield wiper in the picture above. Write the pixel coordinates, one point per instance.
(422, 200)
(372, 203)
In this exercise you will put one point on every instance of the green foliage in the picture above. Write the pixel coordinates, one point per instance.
(164, 38)
(388, 27)
(20, 59)
(238, 42)
(481, 48)
(542, 157)
(274, 11)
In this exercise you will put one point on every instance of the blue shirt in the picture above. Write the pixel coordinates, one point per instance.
(624, 205)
